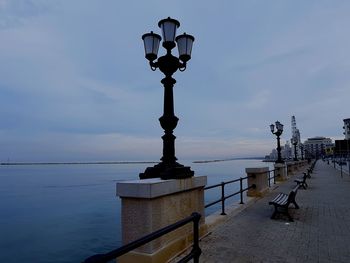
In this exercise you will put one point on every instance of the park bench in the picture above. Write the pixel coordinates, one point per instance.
(310, 169)
(282, 201)
(302, 181)
(309, 172)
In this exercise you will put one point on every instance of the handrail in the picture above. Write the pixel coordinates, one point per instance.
(339, 160)
(223, 197)
(272, 177)
(241, 190)
(194, 254)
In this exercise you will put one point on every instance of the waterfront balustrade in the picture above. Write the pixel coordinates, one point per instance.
(194, 254)
(256, 183)
(267, 177)
(225, 197)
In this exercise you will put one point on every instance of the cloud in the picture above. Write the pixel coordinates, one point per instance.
(78, 75)
(258, 100)
(212, 148)
(50, 147)
(16, 12)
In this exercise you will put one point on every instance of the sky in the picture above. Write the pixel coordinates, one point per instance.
(75, 86)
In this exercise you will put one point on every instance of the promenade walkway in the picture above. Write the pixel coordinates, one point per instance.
(320, 231)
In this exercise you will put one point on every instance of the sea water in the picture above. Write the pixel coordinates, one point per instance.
(65, 213)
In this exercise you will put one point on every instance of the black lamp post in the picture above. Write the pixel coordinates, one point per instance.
(168, 64)
(302, 151)
(295, 142)
(278, 132)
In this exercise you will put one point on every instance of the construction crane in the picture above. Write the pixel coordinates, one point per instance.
(295, 135)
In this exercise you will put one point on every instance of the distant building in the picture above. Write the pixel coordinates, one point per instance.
(342, 147)
(316, 147)
(286, 153)
(329, 150)
(346, 128)
(273, 155)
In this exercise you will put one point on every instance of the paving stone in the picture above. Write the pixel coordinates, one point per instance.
(320, 231)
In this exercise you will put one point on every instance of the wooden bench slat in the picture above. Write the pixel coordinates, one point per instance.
(283, 201)
(280, 199)
(277, 198)
(302, 181)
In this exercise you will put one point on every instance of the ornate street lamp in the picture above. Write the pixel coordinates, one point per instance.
(302, 151)
(168, 64)
(295, 142)
(278, 132)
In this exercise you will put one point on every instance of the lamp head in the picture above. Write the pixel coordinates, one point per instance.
(279, 126)
(184, 45)
(168, 27)
(151, 42)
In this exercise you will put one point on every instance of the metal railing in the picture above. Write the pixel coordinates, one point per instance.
(272, 177)
(339, 162)
(223, 197)
(194, 254)
(195, 217)
(241, 189)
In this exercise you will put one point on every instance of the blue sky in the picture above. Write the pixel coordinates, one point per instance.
(75, 86)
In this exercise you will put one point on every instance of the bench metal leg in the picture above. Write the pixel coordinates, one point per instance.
(284, 211)
(289, 217)
(295, 204)
(274, 213)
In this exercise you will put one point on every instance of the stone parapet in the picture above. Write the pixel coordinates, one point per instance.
(295, 166)
(258, 177)
(280, 172)
(151, 204)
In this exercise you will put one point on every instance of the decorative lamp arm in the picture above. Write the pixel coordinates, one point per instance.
(153, 65)
(182, 66)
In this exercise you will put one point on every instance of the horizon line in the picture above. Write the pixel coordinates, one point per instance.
(121, 162)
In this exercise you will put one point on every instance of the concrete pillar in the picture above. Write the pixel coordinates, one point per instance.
(290, 170)
(151, 204)
(304, 163)
(259, 177)
(281, 171)
(295, 167)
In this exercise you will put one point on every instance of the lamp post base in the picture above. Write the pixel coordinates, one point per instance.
(165, 172)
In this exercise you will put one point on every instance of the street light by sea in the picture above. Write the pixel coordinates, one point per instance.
(295, 143)
(302, 151)
(278, 133)
(168, 64)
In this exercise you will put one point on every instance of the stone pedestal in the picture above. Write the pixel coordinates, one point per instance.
(303, 163)
(290, 169)
(151, 204)
(259, 177)
(296, 167)
(281, 172)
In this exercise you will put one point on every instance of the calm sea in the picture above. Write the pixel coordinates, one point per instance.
(65, 213)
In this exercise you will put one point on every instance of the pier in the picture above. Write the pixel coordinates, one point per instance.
(320, 231)
(316, 227)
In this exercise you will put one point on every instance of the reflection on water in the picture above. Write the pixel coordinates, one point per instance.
(64, 213)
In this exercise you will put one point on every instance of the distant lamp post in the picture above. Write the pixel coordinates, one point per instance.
(278, 132)
(295, 143)
(168, 64)
(302, 151)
